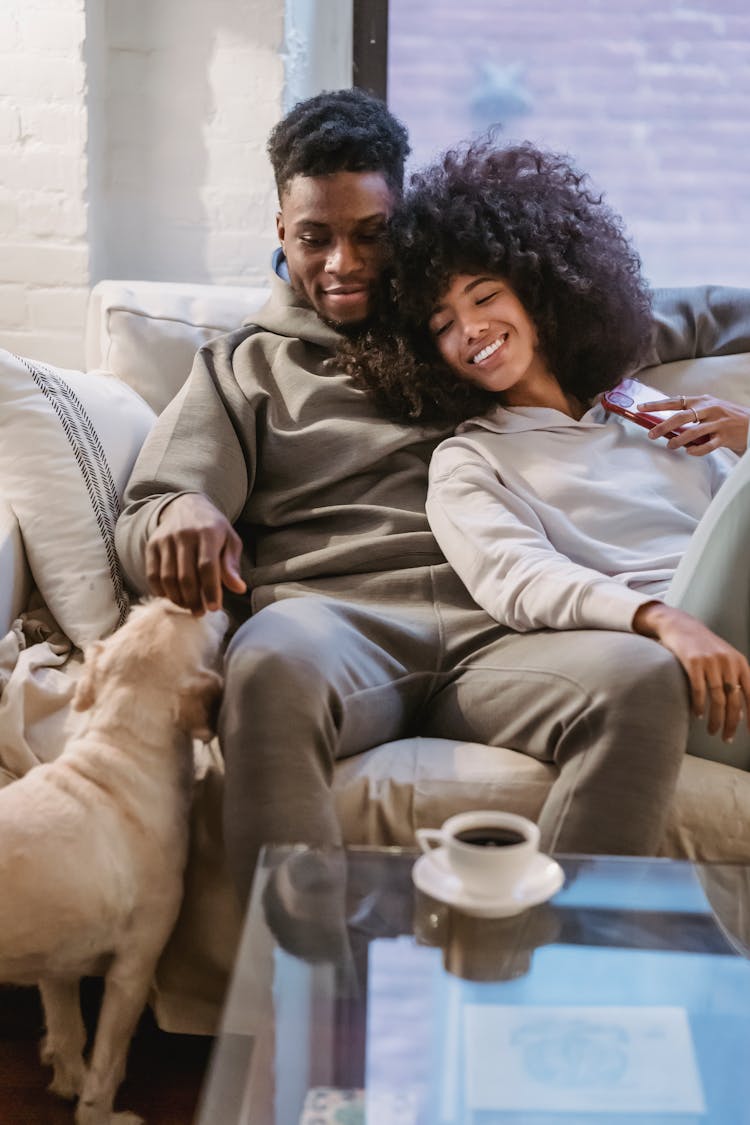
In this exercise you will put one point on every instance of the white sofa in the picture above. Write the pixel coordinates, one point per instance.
(147, 333)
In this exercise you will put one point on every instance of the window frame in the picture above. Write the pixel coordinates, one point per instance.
(370, 46)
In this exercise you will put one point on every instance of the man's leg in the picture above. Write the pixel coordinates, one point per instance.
(308, 680)
(712, 583)
(608, 709)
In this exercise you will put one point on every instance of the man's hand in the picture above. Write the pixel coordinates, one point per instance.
(192, 552)
(721, 423)
(719, 675)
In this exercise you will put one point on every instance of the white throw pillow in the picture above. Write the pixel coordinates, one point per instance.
(148, 332)
(68, 441)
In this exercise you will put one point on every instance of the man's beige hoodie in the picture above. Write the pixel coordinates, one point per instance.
(296, 456)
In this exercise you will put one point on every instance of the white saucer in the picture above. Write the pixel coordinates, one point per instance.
(433, 875)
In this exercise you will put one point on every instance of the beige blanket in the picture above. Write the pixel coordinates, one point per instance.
(38, 668)
(38, 671)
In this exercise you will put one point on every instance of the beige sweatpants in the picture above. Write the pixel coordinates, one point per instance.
(331, 668)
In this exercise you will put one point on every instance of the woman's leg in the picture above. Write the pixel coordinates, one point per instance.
(712, 583)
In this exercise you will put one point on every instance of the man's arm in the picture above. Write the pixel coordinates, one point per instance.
(699, 321)
(189, 485)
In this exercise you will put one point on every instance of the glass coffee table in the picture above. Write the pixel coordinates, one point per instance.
(358, 999)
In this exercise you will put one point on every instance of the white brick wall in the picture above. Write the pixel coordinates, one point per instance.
(43, 178)
(192, 90)
(132, 143)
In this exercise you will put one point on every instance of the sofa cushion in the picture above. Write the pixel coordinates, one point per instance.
(147, 333)
(68, 442)
(385, 794)
(725, 376)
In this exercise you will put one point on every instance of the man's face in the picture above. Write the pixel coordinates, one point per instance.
(331, 229)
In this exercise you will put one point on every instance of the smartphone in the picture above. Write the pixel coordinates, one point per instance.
(624, 398)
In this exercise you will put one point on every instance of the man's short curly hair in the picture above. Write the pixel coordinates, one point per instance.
(339, 131)
(529, 217)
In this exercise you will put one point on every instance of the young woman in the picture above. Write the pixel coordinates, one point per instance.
(518, 301)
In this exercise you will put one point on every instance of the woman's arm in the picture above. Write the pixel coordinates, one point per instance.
(719, 674)
(500, 550)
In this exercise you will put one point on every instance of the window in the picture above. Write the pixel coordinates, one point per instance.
(650, 98)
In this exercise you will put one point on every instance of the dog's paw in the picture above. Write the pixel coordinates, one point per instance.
(69, 1074)
(66, 1085)
(124, 1117)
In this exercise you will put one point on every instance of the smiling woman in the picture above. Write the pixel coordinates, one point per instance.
(495, 242)
(514, 300)
(485, 335)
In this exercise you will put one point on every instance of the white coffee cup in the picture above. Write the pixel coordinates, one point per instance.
(490, 852)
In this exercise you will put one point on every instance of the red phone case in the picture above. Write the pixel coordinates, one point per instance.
(619, 401)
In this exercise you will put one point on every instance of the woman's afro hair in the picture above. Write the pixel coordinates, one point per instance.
(529, 217)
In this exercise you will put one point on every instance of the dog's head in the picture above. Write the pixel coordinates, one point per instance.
(164, 657)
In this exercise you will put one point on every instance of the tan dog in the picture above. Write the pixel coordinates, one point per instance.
(93, 846)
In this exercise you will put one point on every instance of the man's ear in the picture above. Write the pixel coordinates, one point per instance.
(280, 228)
(88, 681)
(198, 707)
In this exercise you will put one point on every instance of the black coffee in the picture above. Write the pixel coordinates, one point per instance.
(491, 837)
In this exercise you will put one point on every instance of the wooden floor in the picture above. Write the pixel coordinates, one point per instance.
(162, 1082)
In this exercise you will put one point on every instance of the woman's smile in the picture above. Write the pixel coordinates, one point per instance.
(491, 349)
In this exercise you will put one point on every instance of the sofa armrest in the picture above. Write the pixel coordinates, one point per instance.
(15, 578)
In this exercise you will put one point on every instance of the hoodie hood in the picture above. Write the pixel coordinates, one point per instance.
(518, 419)
(286, 314)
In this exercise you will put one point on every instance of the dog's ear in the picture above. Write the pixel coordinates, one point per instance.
(198, 708)
(88, 681)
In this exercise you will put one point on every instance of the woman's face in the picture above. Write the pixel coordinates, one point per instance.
(484, 334)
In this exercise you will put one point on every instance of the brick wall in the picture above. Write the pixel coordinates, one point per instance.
(191, 90)
(650, 98)
(131, 144)
(43, 222)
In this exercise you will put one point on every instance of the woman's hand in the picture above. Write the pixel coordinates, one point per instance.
(719, 675)
(722, 423)
(193, 551)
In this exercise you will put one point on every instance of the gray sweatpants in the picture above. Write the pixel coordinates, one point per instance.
(712, 583)
(334, 667)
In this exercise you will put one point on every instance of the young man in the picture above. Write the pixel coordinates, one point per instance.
(273, 476)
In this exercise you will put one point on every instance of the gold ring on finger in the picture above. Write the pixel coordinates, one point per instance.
(730, 688)
(695, 414)
(683, 403)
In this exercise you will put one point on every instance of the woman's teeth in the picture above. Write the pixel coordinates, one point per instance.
(490, 349)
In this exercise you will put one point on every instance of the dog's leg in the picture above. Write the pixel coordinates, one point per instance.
(125, 994)
(63, 1044)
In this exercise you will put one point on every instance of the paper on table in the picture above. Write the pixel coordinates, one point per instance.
(581, 1059)
(327, 1105)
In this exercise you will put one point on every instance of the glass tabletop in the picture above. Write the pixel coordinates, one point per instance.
(358, 999)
